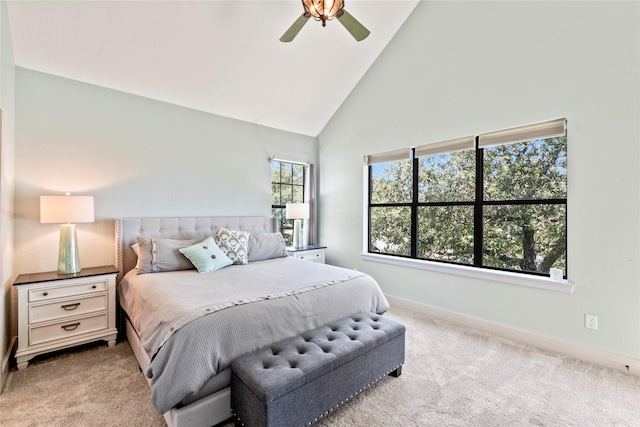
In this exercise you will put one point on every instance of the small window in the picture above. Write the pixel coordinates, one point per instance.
(391, 194)
(525, 205)
(446, 182)
(287, 186)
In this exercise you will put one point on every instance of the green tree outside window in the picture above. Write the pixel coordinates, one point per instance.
(434, 215)
(287, 186)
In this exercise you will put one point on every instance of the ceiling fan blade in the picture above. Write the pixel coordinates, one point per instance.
(357, 30)
(293, 30)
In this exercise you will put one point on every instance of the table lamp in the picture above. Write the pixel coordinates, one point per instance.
(297, 212)
(66, 211)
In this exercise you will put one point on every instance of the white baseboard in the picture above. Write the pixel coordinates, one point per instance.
(5, 363)
(610, 360)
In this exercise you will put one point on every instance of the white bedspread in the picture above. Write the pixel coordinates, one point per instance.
(194, 325)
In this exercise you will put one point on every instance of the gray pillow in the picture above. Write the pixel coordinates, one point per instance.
(266, 246)
(157, 255)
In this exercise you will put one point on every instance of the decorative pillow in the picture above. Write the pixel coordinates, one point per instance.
(206, 256)
(157, 255)
(266, 246)
(234, 243)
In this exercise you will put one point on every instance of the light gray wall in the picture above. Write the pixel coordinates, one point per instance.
(7, 88)
(137, 157)
(461, 68)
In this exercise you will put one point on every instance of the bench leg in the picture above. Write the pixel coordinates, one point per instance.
(397, 372)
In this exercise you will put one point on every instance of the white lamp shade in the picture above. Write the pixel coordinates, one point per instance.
(297, 211)
(66, 209)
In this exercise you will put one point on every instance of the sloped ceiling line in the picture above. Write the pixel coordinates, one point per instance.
(221, 57)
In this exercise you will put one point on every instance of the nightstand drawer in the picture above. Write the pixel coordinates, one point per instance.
(315, 256)
(51, 292)
(311, 253)
(61, 309)
(66, 329)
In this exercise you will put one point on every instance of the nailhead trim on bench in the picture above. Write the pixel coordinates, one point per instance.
(351, 397)
(341, 402)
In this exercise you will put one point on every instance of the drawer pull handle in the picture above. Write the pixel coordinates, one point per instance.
(45, 293)
(70, 307)
(93, 287)
(70, 327)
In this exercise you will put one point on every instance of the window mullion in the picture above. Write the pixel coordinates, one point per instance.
(478, 227)
(290, 183)
(414, 206)
(304, 182)
(280, 181)
(369, 209)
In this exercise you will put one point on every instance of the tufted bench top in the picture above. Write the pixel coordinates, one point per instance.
(276, 370)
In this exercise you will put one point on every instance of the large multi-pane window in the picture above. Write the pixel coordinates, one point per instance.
(497, 200)
(287, 186)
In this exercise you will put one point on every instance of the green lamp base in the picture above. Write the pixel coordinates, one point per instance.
(68, 259)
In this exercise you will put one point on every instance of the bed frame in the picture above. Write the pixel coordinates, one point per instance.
(214, 408)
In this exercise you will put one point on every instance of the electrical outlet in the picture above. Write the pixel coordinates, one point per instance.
(591, 321)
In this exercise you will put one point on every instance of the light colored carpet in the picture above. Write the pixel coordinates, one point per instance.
(453, 376)
(91, 386)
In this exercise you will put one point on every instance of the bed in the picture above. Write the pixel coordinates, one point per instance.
(186, 327)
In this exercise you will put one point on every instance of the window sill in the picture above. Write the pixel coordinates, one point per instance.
(479, 273)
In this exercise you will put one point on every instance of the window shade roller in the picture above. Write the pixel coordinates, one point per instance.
(451, 146)
(389, 156)
(548, 129)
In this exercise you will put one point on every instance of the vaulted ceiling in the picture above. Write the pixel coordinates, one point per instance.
(221, 57)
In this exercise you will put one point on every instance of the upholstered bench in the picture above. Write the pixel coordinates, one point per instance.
(300, 380)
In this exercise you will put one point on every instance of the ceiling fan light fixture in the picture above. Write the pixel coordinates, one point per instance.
(323, 10)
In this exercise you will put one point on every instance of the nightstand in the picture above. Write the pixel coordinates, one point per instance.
(308, 253)
(57, 311)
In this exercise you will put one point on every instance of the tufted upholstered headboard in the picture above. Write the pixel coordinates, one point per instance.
(128, 230)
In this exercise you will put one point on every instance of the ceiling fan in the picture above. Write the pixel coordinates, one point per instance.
(326, 10)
